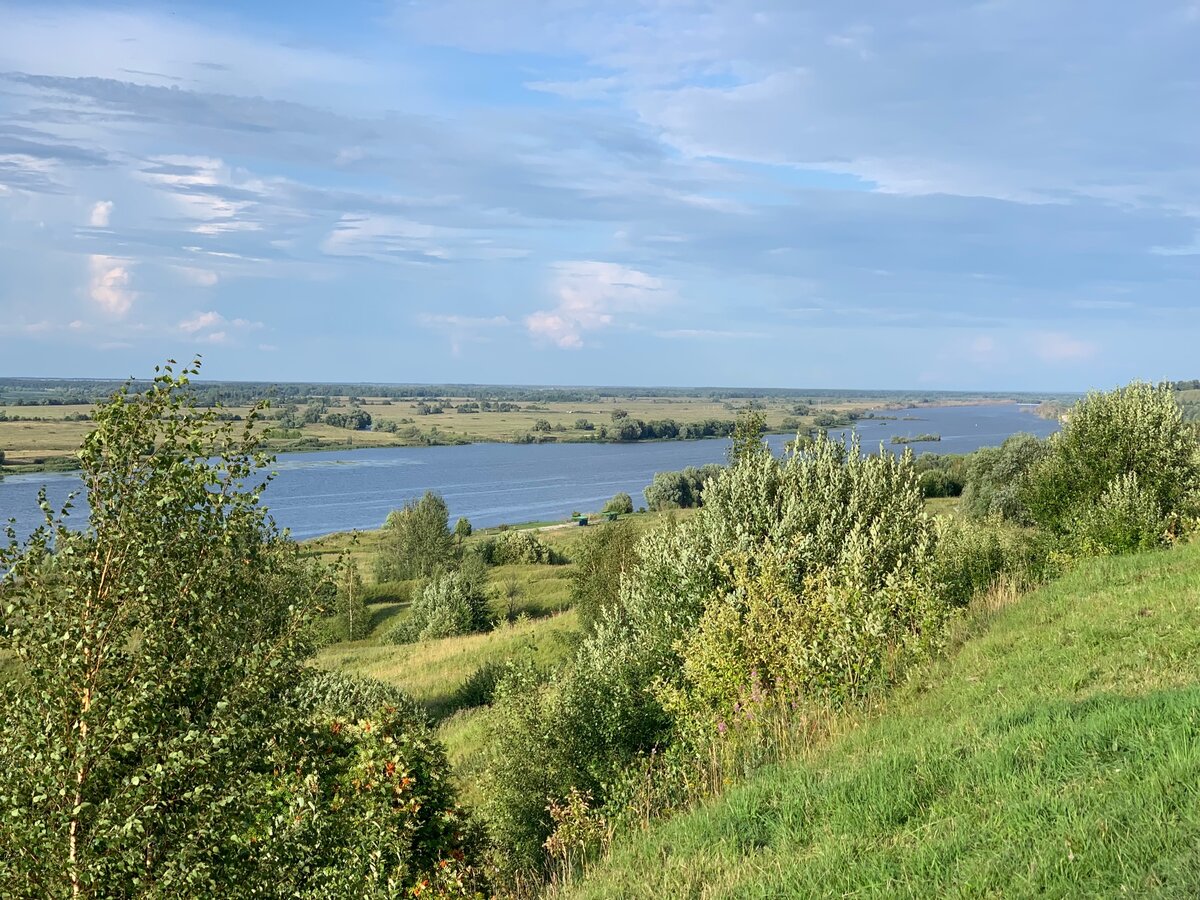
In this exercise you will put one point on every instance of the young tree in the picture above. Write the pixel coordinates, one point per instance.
(416, 540)
(748, 435)
(462, 529)
(152, 742)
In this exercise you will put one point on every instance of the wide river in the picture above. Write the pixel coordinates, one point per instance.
(318, 493)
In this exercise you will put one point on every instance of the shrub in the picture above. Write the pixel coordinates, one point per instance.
(605, 556)
(1124, 520)
(450, 604)
(479, 688)
(1121, 458)
(621, 503)
(828, 528)
(680, 490)
(514, 547)
(996, 478)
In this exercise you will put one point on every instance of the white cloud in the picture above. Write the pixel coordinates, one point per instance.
(108, 283)
(207, 191)
(590, 296)
(201, 277)
(213, 328)
(1056, 347)
(100, 214)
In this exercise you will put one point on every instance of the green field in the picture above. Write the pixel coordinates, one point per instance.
(43, 435)
(1056, 753)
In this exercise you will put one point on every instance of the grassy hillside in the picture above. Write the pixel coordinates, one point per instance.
(1055, 753)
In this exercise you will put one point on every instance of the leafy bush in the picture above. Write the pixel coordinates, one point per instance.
(621, 503)
(517, 547)
(1124, 520)
(996, 478)
(1122, 458)
(828, 527)
(605, 556)
(375, 814)
(679, 490)
(479, 688)
(450, 604)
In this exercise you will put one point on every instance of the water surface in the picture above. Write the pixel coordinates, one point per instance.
(318, 493)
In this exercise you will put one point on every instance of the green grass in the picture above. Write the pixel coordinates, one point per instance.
(1055, 753)
(432, 671)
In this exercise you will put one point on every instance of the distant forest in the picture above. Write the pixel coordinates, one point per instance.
(63, 391)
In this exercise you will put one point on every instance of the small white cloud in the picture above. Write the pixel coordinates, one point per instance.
(590, 295)
(200, 321)
(213, 328)
(100, 214)
(108, 283)
(267, 348)
(1056, 347)
(201, 277)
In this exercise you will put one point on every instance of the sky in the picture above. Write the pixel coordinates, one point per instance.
(937, 194)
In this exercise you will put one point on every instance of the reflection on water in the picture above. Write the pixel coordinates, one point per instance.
(316, 493)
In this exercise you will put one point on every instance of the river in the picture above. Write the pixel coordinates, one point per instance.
(318, 493)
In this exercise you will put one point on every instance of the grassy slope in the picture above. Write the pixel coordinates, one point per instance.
(1056, 753)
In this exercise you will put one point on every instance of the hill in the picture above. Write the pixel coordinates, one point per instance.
(1056, 752)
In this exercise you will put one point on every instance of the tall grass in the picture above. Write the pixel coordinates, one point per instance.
(1056, 752)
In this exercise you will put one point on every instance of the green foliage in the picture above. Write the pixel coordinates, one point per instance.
(748, 435)
(1124, 520)
(1122, 473)
(606, 555)
(462, 529)
(679, 490)
(155, 739)
(416, 541)
(451, 603)
(996, 479)
(621, 503)
(386, 821)
(1000, 773)
(520, 547)
(846, 532)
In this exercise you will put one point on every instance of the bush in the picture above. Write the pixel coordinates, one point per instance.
(517, 547)
(621, 503)
(379, 816)
(996, 478)
(479, 689)
(450, 604)
(1125, 519)
(1122, 459)
(835, 546)
(605, 556)
(680, 490)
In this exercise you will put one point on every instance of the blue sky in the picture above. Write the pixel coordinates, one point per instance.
(938, 194)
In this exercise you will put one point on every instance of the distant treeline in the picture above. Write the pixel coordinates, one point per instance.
(52, 391)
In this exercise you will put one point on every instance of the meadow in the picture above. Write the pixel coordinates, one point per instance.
(827, 673)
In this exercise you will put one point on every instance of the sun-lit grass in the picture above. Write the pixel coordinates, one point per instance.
(1055, 753)
(34, 443)
(432, 671)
